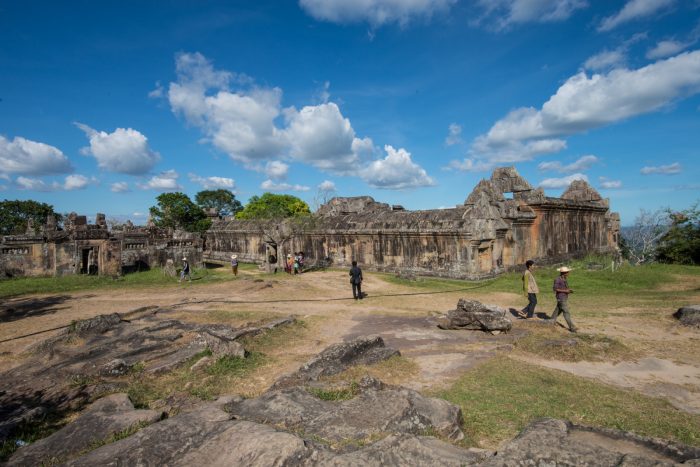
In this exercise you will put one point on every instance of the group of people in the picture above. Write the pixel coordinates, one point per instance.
(561, 292)
(294, 264)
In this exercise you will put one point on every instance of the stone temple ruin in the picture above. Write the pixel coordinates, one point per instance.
(503, 222)
(488, 234)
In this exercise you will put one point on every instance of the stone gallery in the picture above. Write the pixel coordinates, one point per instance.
(502, 223)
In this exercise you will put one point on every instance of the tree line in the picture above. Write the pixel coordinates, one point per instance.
(174, 210)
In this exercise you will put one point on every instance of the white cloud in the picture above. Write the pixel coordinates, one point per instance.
(606, 59)
(321, 136)
(120, 187)
(608, 184)
(583, 163)
(209, 183)
(23, 156)
(670, 169)
(665, 49)
(327, 186)
(166, 181)
(563, 182)
(583, 103)
(375, 12)
(76, 182)
(502, 13)
(454, 135)
(158, 92)
(71, 182)
(396, 171)
(269, 185)
(123, 151)
(485, 155)
(470, 165)
(276, 170)
(634, 9)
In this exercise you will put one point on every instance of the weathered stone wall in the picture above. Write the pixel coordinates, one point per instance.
(487, 235)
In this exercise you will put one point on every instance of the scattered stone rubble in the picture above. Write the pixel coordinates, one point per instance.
(290, 425)
(474, 315)
(688, 315)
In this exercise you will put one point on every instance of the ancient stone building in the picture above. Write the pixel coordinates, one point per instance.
(83, 248)
(502, 223)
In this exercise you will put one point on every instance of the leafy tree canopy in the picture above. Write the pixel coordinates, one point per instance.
(223, 201)
(177, 210)
(681, 243)
(14, 215)
(272, 206)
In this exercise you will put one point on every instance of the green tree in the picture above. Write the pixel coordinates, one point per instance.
(177, 210)
(14, 215)
(271, 206)
(681, 243)
(223, 201)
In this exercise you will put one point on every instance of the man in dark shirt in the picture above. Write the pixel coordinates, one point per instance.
(562, 291)
(356, 281)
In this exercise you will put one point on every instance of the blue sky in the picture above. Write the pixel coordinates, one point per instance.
(104, 105)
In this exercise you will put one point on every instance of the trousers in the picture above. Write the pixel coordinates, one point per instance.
(563, 308)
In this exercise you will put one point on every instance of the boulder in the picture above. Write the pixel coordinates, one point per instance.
(116, 367)
(338, 358)
(100, 421)
(688, 315)
(474, 315)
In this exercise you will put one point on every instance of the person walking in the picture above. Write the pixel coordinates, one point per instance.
(356, 281)
(185, 271)
(234, 264)
(530, 290)
(289, 264)
(562, 291)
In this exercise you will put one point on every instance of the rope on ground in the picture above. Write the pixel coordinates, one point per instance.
(248, 302)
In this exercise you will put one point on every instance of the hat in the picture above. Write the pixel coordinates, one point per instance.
(234, 256)
(289, 255)
(184, 259)
(564, 269)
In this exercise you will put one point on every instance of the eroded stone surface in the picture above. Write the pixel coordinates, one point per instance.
(474, 315)
(688, 315)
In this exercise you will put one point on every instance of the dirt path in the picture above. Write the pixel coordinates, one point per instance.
(668, 364)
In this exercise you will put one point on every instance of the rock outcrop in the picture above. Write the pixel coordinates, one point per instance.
(474, 315)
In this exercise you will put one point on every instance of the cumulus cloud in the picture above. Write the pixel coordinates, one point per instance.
(249, 124)
(486, 155)
(500, 14)
(327, 186)
(670, 169)
(586, 102)
(210, 183)
(608, 184)
(583, 163)
(374, 12)
(26, 157)
(633, 10)
(396, 171)
(553, 183)
(125, 150)
(454, 135)
(120, 187)
(165, 181)
(70, 183)
(269, 185)
(276, 170)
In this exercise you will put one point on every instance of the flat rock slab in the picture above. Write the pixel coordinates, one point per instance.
(72, 369)
(376, 410)
(102, 419)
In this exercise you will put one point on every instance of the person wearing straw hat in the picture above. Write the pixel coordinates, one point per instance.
(234, 264)
(185, 271)
(562, 291)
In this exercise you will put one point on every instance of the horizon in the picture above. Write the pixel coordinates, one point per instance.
(411, 104)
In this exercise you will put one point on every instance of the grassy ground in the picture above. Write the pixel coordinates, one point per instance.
(499, 398)
(73, 283)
